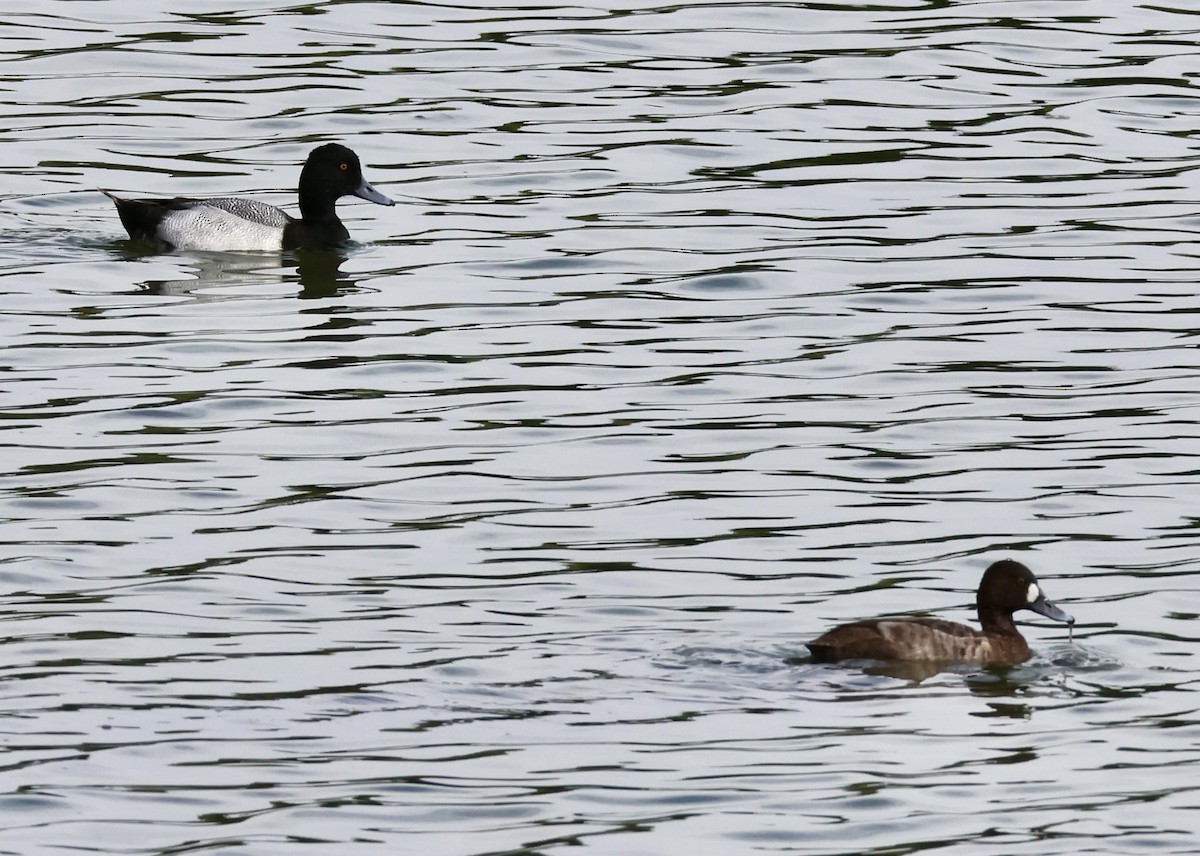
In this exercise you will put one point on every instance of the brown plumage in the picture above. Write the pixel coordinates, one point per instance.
(1007, 586)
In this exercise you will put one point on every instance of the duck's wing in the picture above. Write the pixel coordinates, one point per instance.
(900, 639)
(217, 223)
(942, 626)
(223, 224)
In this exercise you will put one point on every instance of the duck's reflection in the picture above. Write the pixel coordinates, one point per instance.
(318, 273)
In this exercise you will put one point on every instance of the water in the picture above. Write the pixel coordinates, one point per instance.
(698, 329)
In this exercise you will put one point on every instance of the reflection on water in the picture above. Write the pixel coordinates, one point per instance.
(318, 273)
(694, 335)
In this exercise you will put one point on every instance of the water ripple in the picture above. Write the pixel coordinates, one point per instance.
(698, 329)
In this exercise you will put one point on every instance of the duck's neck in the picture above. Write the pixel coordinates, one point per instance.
(317, 210)
(997, 621)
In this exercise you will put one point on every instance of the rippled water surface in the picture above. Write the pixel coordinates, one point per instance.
(698, 329)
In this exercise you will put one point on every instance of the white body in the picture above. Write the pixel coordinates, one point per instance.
(225, 223)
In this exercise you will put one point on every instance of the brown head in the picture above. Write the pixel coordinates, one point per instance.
(1008, 586)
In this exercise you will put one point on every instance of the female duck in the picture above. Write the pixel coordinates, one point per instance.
(1007, 586)
(232, 223)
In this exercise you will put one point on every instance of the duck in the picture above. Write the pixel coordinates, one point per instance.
(1007, 586)
(232, 223)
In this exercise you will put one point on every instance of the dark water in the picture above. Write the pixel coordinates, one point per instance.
(698, 329)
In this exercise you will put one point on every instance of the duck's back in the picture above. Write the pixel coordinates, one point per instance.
(250, 210)
(907, 639)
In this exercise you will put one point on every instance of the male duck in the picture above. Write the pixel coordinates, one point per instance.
(1007, 586)
(232, 223)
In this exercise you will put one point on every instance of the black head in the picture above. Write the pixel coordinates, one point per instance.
(1008, 586)
(331, 172)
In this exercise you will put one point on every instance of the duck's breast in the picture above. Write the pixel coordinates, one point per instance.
(224, 224)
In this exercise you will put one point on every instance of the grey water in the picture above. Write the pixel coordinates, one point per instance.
(697, 329)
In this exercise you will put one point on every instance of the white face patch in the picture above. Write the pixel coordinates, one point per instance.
(1033, 594)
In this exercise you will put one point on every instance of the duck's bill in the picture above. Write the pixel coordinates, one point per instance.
(1046, 608)
(369, 193)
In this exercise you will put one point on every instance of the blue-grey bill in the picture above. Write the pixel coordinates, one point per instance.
(1046, 608)
(369, 193)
